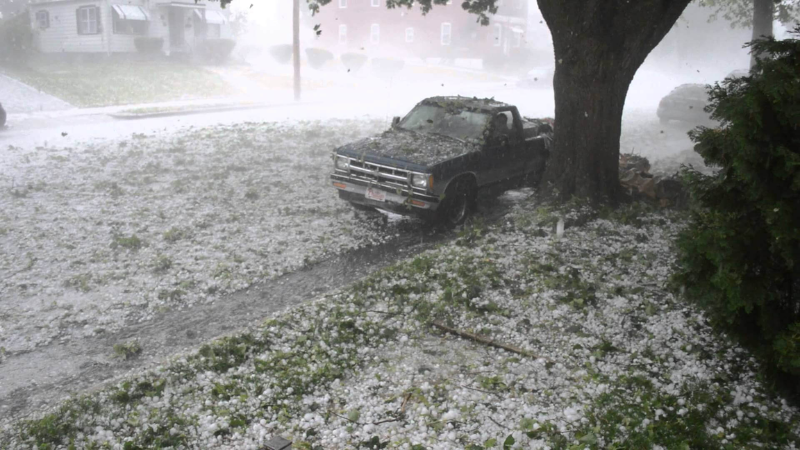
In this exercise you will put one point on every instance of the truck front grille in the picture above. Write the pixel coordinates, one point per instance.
(376, 173)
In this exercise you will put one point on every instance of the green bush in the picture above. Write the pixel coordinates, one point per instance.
(148, 44)
(16, 38)
(740, 256)
(216, 50)
(353, 61)
(281, 53)
(317, 57)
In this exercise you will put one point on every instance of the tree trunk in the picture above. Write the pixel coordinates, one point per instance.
(763, 12)
(599, 45)
(296, 47)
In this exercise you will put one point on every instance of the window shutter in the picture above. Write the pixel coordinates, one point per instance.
(78, 20)
(99, 23)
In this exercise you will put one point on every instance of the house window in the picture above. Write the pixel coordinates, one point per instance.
(517, 38)
(128, 19)
(375, 3)
(498, 35)
(343, 34)
(42, 20)
(88, 19)
(342, 3)
(375, 33)
(447, 32)
(409, 35)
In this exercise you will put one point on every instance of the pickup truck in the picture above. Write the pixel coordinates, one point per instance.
(434, 161)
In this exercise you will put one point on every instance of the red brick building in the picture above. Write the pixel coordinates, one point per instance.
(447, 31)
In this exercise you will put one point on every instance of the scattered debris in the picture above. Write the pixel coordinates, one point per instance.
(483, 340)
(636, 179)
(277, 443)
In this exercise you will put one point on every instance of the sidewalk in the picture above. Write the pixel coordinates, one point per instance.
(18, 97)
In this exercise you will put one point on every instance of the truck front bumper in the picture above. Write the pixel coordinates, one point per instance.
(402, 203)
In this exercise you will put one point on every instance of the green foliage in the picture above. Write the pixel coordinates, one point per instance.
(132, 243)
(317, 57)
(15, 38)
(740, 12)
(148, 44)
(162, 263)
(740, 256)
(127, 350)
(216, 50)
(353, 61)
(175, 234)
(481, 8)
(280, 53)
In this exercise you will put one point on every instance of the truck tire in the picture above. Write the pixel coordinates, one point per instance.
(457, 205)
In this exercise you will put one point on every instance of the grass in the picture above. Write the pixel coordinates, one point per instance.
(127, 350)
(117, 81)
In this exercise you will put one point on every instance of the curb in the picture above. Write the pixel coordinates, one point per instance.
(134, 116)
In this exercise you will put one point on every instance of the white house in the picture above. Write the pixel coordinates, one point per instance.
(111, 26)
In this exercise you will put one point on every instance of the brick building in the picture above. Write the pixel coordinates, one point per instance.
(447, 31)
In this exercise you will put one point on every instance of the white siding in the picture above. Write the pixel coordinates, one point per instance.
(124, 42)
(62, 35)
(159, 24)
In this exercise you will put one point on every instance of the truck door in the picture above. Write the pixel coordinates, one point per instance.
(504, 151)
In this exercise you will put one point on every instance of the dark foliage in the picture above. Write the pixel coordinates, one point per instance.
(353, 61)
(15, 38)
(148, 44)
(281, 53)
(216, 50)
(481, 8)
(317, 57)
(740, 256)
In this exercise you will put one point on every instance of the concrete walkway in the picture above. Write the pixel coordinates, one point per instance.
(18, 97)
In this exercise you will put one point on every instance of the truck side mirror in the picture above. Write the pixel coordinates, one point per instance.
(395, 121)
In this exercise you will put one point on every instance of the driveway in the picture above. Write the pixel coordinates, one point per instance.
(18, 97)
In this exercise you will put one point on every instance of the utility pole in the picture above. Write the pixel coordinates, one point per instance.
(296, 47)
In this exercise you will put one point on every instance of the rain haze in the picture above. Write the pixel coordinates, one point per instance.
(374, 228)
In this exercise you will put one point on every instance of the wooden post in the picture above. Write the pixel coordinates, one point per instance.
(296, 47)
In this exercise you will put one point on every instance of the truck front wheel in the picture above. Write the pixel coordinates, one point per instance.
(457, 205)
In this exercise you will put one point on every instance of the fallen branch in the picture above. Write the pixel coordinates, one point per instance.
(480, 390)
(483, 340)
(498, 423)
(405, 400)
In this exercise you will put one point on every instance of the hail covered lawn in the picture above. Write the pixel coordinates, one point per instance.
(608, 356)
(116, 231)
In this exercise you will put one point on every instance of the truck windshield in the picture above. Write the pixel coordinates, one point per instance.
(459, 124)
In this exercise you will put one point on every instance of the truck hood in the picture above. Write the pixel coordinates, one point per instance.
(418, 149)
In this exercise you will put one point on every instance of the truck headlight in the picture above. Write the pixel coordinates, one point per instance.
(342, 163)
(422, 181)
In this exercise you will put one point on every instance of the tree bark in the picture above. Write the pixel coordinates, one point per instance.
(763, 13)
(296, 47)
(599, 45)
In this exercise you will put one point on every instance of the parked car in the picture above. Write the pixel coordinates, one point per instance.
(540, 77)
(738, 73)
(685, 103)
(434, 161)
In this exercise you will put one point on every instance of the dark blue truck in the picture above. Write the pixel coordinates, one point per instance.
(433, 161)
